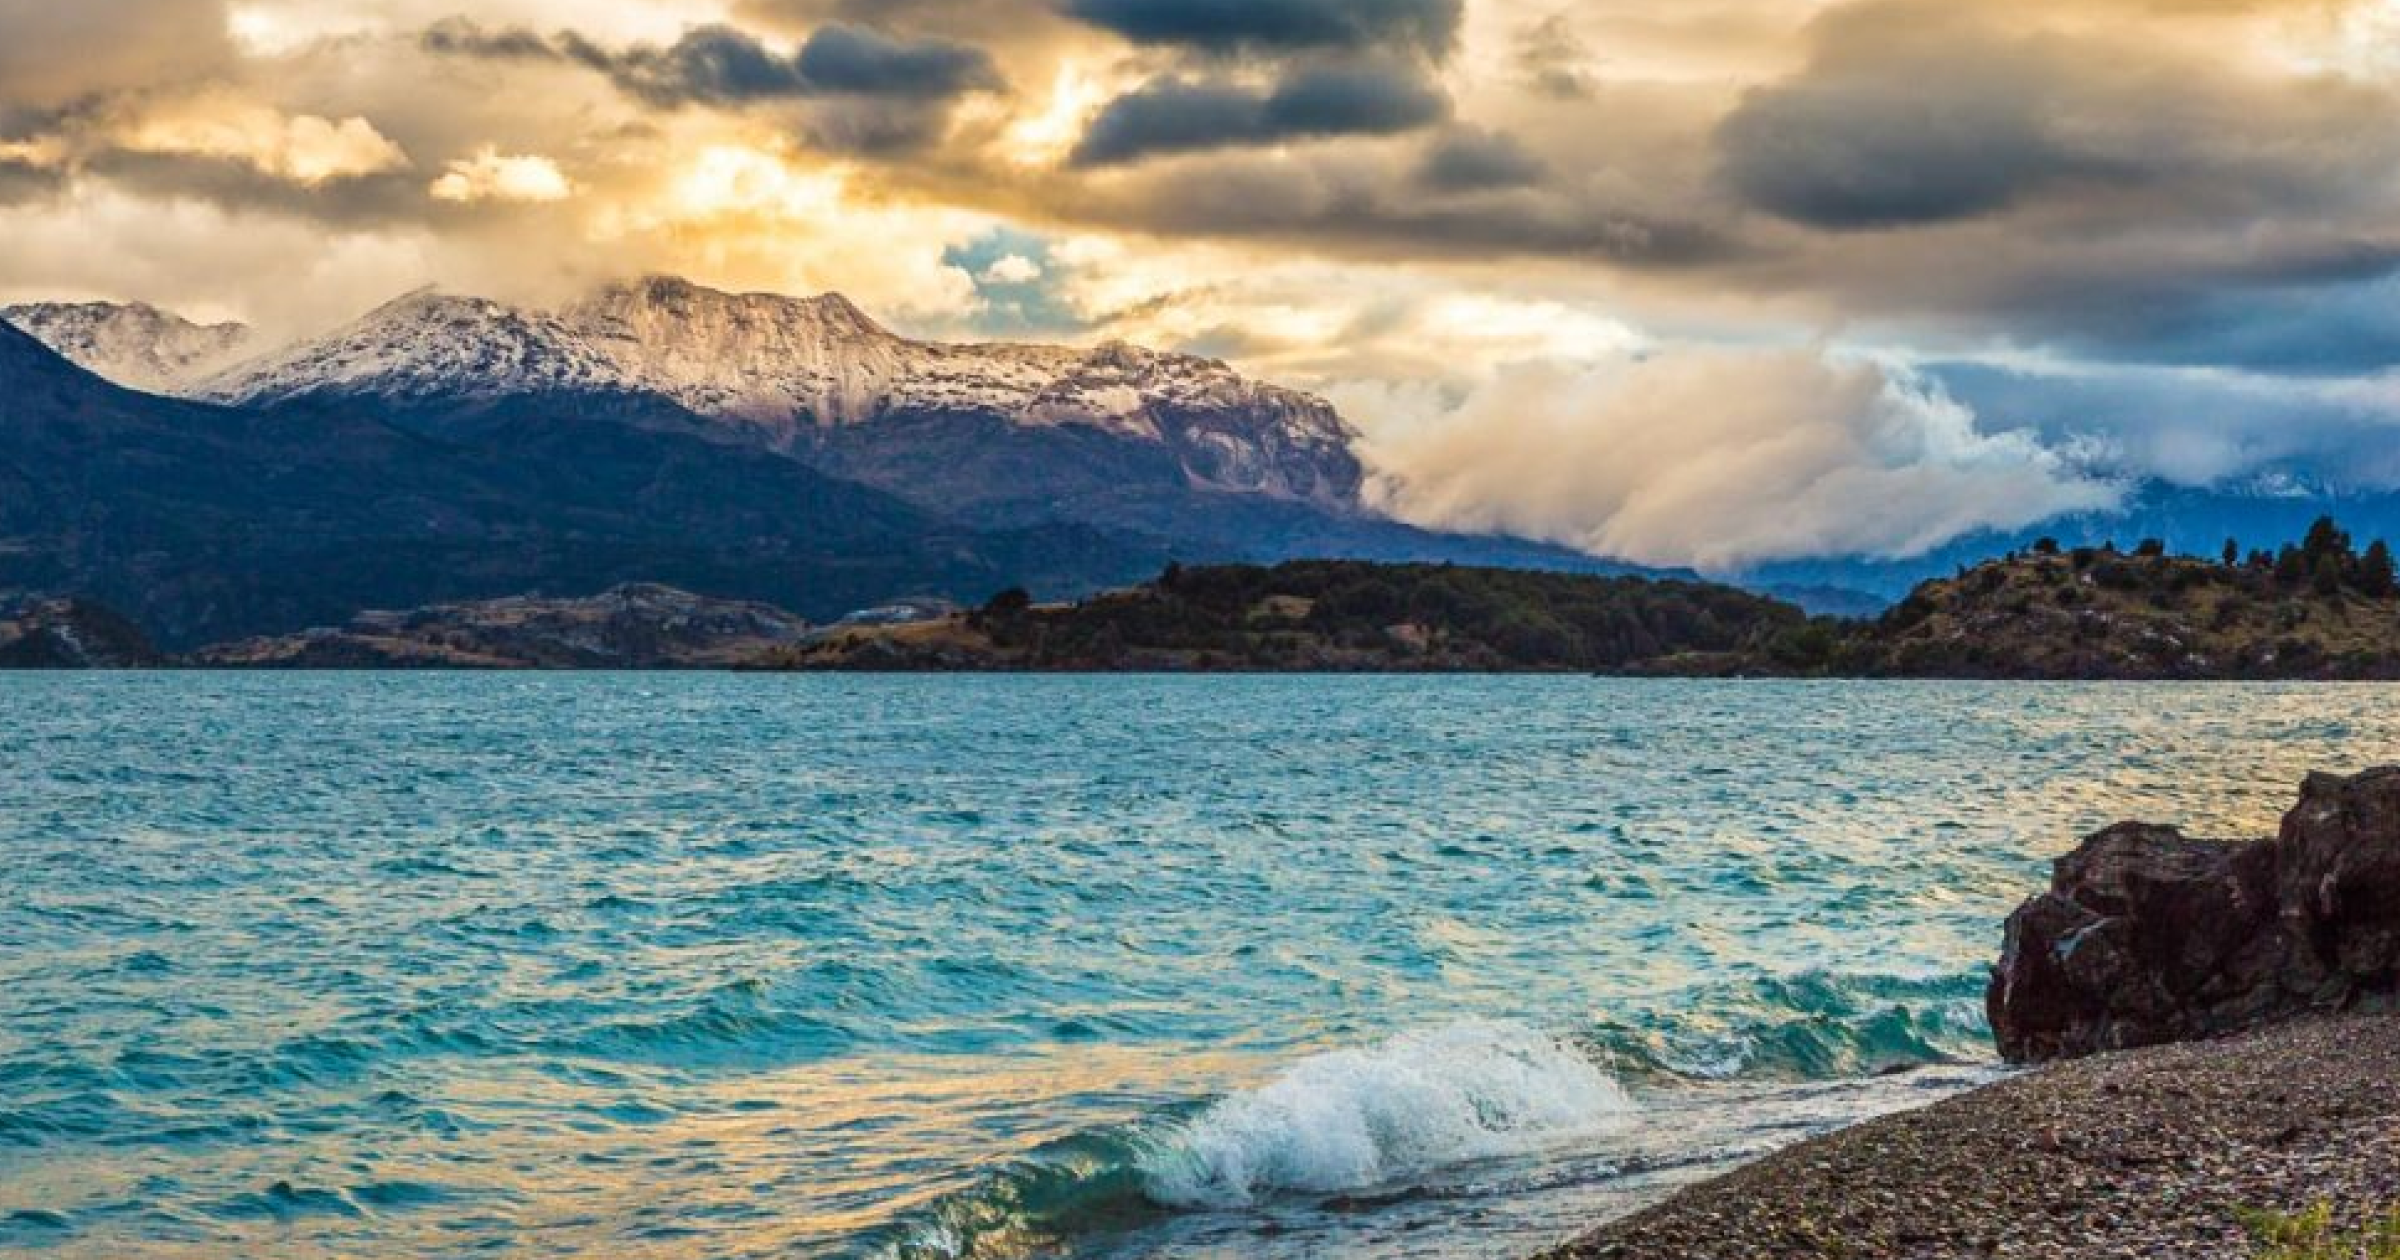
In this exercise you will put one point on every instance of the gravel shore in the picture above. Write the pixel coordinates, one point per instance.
(2148, 1155)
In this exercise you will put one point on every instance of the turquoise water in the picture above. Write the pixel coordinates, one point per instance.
(730, 966)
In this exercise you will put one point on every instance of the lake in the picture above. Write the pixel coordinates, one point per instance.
(701, 966)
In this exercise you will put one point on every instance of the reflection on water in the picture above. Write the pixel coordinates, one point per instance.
(648, 966)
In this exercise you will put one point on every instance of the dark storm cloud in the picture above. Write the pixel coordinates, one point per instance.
(720, 65)
(1311, 102)
(1908, 132)
(984, 22)
(1373, 206)
(1353, 100)
(1835, 160)
(1478, 161)
(844, 59)
(1910, 113)
(459, 37)
(1171, 116)
(1278, 26)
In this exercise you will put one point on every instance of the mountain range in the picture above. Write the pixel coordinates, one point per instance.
(446, 448)
(792, 450)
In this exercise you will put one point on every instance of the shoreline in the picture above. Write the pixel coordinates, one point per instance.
(2153, 1153)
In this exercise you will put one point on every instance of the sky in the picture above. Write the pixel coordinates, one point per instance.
(1714, 282)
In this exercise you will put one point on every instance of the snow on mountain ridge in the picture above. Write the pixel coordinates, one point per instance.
(422, 346)
(756, 358)
(815, 378)
(777, 364)
(133, 344)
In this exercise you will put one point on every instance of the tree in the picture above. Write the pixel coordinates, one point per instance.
(2291, 565)
(1016, 601)
(2045, 546)
(2150, 548)
(2233, 552)
(2325, 538)
(2376, 578)
(2328, 575)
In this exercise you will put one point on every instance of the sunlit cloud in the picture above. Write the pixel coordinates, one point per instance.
(1046, 135)
(279, 27)
(302, 148)
(491, 175)
(1013, 269)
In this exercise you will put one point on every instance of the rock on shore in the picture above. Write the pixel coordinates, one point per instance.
(2147, 937)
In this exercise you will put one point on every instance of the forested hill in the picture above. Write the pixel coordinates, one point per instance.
(2324, 609)
(1340, 615)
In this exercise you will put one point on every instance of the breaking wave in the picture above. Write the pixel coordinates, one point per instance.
(1353, 1119)
(1343, 1120)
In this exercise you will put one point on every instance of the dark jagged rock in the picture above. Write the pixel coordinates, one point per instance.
(71, 634)
(2147, 937)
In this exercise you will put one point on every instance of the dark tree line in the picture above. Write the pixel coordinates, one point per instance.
(1273, 617)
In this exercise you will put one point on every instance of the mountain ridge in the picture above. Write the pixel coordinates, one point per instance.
(1173, 452)
(134, 344)
(776, 371)
(204, 522)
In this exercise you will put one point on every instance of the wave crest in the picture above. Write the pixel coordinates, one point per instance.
(1354, 1119)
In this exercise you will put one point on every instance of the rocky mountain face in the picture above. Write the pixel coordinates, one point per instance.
(636, 626)
(134, 344)
(2146, 937)
(205, 523)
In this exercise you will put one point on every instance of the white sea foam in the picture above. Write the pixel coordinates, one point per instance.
(1352, 1119)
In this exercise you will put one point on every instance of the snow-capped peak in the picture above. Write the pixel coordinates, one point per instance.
(779, 365)
(425, 346)
(755, 357)
(131, 343)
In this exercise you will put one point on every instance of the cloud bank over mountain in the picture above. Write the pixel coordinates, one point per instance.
(1721, 459)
